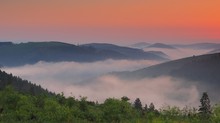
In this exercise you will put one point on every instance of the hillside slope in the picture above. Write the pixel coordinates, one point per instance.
(20, 85)
(161, 45)
(128, 52)
(209, 46)
(202, 71)
(33, 52)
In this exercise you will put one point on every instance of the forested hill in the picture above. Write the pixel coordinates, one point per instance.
(204, 68)
(200, 71)
(18, 107)
(33, 52)
(20, 85)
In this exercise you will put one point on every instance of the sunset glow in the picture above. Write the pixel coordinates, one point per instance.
(110, 20)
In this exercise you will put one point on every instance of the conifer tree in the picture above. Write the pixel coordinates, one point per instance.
(137, 104)
(151, 107)
(205, 108)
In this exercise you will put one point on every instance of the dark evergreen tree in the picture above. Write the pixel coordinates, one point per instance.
(145, 107)
(151, 107)
(137, 104)
(205, 108)
(21, 85)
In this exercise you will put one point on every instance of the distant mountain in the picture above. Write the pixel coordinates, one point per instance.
(116, 48)
(183, 67)
(5, 43)
(202, 71)
(160, 45)
(33, 52)
(140, 45)
(214, 51)
(128, 52)
(207, 46)
(20, 85)
(159, 53)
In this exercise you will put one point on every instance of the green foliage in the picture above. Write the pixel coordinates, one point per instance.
(26, 108)
(216, 114)
(124, 98)
(115, 110)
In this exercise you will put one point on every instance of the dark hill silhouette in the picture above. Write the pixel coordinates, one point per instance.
(202, 71)
(160, 45)
(20, 85)
(173, 68)
(128, 52)
(33, 52)
(200, 46)
(5, 43)
(214, 51)
(140, 45)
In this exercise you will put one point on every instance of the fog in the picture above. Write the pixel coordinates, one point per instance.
(160, 91)
(67, 77)
(180, 52)
(74, 72)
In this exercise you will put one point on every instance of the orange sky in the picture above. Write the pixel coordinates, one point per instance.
(110, 20)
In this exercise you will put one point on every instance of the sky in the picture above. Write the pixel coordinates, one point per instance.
(110, 21)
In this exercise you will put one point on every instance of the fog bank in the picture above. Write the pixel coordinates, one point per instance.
(66, 77)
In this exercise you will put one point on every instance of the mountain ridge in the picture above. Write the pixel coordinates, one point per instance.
(200, 71)
(33, 52)
(23, 86)
(161, 45)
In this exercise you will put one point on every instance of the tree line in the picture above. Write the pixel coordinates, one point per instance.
(20, 85)
(23, 107)
(24, 102)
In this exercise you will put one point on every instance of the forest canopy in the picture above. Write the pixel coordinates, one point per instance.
(21, 101)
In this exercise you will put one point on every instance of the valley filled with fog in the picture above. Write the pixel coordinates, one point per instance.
(109, 61)
(92, 80)
(89, 79)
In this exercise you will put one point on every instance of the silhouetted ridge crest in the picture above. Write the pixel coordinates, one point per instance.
(21, 85)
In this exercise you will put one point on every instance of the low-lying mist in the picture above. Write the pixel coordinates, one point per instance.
(98, 85)
(180, 52)
(74, 72)
(160, 91)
